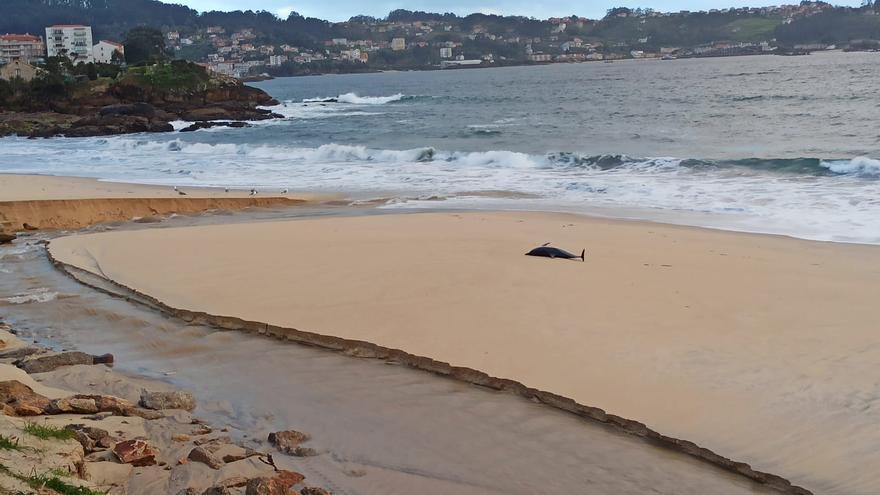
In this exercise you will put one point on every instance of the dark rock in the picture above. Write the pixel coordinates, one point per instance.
(136, 453)
(207, 125)
(167, 400)
(7, 238)
(21, 400)
(217, 490)
(43, 364)
(139, 109)
(239, 457)
(287, 440)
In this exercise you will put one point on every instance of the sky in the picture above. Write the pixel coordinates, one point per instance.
(340, 10)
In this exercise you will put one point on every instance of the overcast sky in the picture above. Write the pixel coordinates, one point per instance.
(339, 10)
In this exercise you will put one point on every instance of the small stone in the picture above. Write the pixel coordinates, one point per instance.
(277, 485)
(136, 453)
(199, 454)
(303, 452)
(287, 440)
(51, 362)
(167, 400)
(180, 437)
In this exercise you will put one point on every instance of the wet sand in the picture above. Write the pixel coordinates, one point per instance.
(46, 202)
(380, 429)
(760, 348)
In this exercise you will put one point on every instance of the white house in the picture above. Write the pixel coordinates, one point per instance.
(72, 40)
(103, 51)
(398, 44)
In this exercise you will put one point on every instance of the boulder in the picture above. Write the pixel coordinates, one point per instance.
(21, 352)
(199, 454)
(51, 362)
(21, 400)
(119, 407)
(6, 238)
(136, 453)
(277, 485)
(288, 440)
(167, 400)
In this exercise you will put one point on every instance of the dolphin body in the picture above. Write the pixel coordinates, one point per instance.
(551, 252)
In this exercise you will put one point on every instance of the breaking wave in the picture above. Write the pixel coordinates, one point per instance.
(354, 99)
(39, 295)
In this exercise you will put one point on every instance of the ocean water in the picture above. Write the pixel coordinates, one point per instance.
(786, 145)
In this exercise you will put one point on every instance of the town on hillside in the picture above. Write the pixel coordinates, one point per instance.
(407, 40)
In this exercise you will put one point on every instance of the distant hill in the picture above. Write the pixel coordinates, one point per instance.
(808, 22)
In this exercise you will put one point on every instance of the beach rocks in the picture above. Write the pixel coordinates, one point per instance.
(91, 438)
(20, 400)
(21, 352)
(136, 452)
(287, 441)
(72, 405)
(119, 407)
(51, 362)
(277, 485)
(7, 238)
(200, 454)
(167, 400)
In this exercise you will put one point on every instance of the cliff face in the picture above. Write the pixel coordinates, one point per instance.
(144, 100)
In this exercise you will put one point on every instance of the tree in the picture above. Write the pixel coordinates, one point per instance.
(144, 44)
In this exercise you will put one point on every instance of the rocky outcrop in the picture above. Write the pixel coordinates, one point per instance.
(20, 400)
(167, 400)
(43, 364)
(209, 124)
(7, 238)
(134, 105)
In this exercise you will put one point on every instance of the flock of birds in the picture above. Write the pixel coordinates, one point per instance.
(253, 191)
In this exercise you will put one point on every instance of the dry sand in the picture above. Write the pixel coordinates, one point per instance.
(69, 202)
(761, 348)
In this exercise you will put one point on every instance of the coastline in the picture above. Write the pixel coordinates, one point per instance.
(710, 354)
(36, 202)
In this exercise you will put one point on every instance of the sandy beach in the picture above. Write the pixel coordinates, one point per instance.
(47, 202)
(758, 347)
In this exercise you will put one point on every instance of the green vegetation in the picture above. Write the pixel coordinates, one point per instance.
(178, 75)
(58, 485)
(753, 29)
(7, 443)
(51, 481)
(48, 432)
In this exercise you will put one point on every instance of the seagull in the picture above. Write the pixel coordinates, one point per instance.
(253, 192)
(175, 188)
(284, 191)
(181, 193)
(226, 189)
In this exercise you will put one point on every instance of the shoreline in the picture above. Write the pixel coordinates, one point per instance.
(39, 202)
(667, 337)
(363, 349)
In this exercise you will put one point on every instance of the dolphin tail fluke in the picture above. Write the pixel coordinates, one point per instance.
(583, 254)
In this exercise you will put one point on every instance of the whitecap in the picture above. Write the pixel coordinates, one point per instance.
(39, 295)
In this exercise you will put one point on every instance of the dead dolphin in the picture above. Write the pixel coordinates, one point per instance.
(551, 252)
